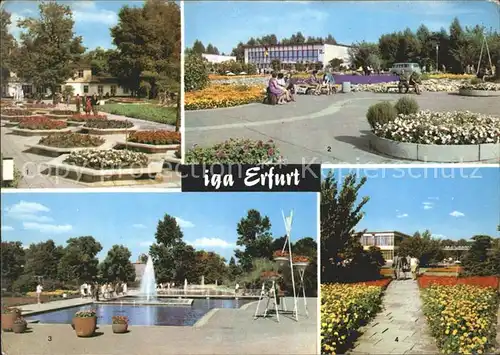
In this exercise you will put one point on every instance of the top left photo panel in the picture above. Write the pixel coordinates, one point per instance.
(90, 94)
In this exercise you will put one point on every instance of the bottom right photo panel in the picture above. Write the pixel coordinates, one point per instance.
(410, 260)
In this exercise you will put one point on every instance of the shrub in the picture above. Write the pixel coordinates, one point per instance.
(120, 320)
(406, 105)
(62, 112)
(462, 318)
(71, 140)
(84, 118)
(481, 86)
(152, 113)
(160, 137)
(42, 123)
(195, 72)
(108, 124)
(234, 151)
(475, 81)
(16, 112)
(380, 114)
(107, 159)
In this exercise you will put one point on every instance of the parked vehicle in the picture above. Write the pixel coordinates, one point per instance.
(397, 68)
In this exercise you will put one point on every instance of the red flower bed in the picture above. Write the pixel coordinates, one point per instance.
(382, 283)
(161, 137)
(279, 253)
(41, 105)
(82, 117)
(22, 118)
(300, 259)
(40, 122)
(481, 281)
(268, 274)
(16, 112)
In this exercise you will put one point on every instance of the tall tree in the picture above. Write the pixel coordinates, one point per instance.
(8, 45)
(254, 235)
(49, 48)
(42, 259)
(12, 262)
(79, 262)
(475, 261)
(212, 266)
(198, 47)
(362, 53)
(117, 265)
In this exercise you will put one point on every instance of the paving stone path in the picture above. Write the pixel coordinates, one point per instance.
(401, 327)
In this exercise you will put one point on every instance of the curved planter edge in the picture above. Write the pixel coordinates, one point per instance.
(478, 93)
(435, 153)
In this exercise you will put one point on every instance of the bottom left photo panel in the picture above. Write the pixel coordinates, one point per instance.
(159, 273)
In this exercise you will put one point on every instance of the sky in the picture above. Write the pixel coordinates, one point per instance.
(224, 24)
(451, 203)
(208, 220)
(93, 19)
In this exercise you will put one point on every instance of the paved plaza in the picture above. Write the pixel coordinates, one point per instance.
(31, 164)
(401, 327)
(317, 129)
(221, 331)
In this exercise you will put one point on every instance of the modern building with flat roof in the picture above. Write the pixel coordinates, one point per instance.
(262, 56)
(388, 242)
(217, 58)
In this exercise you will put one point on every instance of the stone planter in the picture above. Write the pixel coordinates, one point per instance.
(147, 148)
(99, 131)
(19, 327)
(301, 265)
(56, 151)
(8, 321)
(85, 326)
(7, 117)
(435, 153)
(120, 328)
(40, 132)
(479, 93)
(281, 260)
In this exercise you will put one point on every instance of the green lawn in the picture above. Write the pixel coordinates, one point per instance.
(144, 112)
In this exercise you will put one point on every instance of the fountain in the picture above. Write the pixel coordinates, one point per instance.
(148, 281)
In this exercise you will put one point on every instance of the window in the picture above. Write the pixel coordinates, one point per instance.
(388, 254)
(85, 89)
(100, 89)
(125, 90)
(80, 73)
(27, 89)
(113, 90)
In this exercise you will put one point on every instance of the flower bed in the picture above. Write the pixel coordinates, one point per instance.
(22, 118)
(42, 123)
(217, 96)
(107, 159)
(167, 115)
(481, 86)
(40, 105)
(481, 281)
(431, 85)
(84, 118)
(235, 151)
(71, 140)
(462, 318)
(108, 124)
(54, 293)
(62, 112)
(344, 309)
(160, 137)
(15, 112)
(445, 269)
(449, 76)
(442, 128)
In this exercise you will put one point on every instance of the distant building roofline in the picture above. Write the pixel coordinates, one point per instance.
(295, 44)
(386, 232)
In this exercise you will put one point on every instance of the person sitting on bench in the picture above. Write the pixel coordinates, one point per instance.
(274, 89)
(329, 81)
(282, 84)
(314, 81)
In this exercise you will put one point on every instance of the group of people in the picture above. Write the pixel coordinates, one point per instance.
(407, 79)
(106, 290)
(89, 104)
(402, 264)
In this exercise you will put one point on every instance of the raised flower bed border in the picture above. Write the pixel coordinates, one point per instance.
(478, 93)
(57, 167)
(57, 151)
(147, 148)
(435, 153)
(41, 132)
(102, 131)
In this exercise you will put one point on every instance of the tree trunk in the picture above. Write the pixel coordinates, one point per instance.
(178, 120)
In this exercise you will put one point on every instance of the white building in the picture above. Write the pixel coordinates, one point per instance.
(387, 242)
(262, 56)
(216, 58)
(83, 83)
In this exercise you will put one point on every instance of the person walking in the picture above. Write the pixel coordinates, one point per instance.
(414, 263)
(236, 288)
(39, 290)
(395, 266)
(88, 106)
(78, 102)
(95, 102)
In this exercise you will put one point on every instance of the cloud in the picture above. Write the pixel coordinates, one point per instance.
(28, 211)
(146, 243)
(183, 223)
(139, 226)
(89, 12)
(457, 214)
(428, 205)
(402, 215)
(7, 228)
(210, 242)
(47, 228)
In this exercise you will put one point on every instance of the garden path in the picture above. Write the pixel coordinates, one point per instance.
(401, 327)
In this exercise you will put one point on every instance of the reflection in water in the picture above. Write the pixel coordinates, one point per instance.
(144, 315)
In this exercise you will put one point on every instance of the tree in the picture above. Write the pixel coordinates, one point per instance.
(423, 247)
(8, 45)
(195, 72)
(42, 259)
(233, 270)
(335, 63)
(79, 262)
(340, 213)
(12, 263)
(254, 235)
(212, 266)
(117, 266)
(475, 261)
(211, 49)
(148, 47)
(308, 247)
(360, 54)
(143, 258)
(49, 49)
(456, 38)
(198, 47)
(98, 59)
(330, 40)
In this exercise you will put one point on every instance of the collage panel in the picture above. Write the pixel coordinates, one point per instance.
(176, 275)
(298, 82)
(410, 260)
(90, 94)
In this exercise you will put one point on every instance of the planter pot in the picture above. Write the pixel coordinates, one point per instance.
(281, 260)
(85, 327)
(301, 265)
(19, 327)
(8, 320)
(119, 328)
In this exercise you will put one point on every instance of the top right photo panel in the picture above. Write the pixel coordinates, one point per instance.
(320, 82)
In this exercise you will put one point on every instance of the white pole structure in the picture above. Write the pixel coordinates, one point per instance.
(288, 226)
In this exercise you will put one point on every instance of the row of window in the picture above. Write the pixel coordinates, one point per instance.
(284, 55)
(377, 241)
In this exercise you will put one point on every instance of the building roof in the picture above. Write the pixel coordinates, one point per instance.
(387, 232)
(295, 44)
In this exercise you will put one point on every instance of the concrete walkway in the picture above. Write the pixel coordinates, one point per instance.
(29, 309)
(401, 327)
(316, 129)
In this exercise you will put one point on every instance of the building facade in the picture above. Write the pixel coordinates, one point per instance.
(83, 83)
(262, 56)
(216, 58)
(387, 242)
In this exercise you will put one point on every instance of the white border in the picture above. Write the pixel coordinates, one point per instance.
(410, 166)
(318, 262)
(182, 116)
(85, 189)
